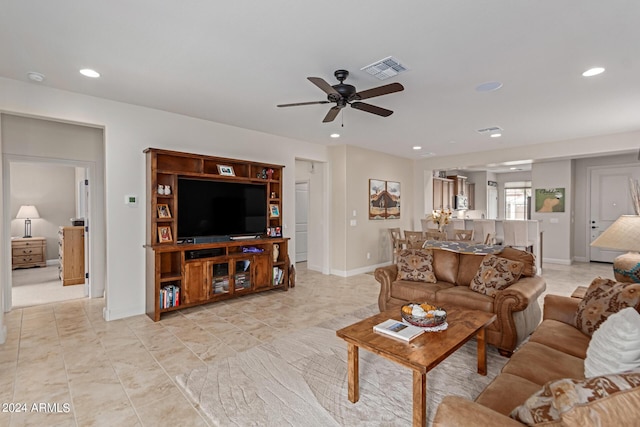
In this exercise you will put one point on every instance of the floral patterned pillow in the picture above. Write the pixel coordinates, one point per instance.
(560, 396)
(495, 274)
(603, 298)
(416, 265)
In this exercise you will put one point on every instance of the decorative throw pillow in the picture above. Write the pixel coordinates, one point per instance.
(560, 396)
(527, 258)
(615, 345)
(495, 274)
(603, 298)
(416, 265)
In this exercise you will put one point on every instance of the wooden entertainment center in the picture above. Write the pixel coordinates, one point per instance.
(182, 273)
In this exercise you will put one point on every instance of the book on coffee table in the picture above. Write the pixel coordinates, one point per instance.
(397, 329)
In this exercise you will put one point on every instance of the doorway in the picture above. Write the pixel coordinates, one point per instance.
(302, 219)
(609, 198)
(57, 192)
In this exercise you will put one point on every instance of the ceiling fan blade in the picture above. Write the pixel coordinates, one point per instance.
(303, 103)
(333, 112)
(371, 109)
(380, 90)
(322, 84)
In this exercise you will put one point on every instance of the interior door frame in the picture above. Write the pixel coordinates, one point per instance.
(8, 159)
(587, 225)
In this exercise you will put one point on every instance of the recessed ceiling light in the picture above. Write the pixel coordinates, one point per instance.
(593, 72)
(417, 147)
(36, 77)
(88, 72)
(335, 135)
(488, 86)
(496, 134)
(513, 168)
(428, 154)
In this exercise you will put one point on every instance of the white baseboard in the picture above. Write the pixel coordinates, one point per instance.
(356, 271)
(52, 262)
(557, 261)
(581, 259)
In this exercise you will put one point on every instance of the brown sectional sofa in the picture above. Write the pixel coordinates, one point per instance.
(556, 350)
(517, 309)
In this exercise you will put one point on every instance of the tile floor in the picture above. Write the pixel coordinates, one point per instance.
(91, 372)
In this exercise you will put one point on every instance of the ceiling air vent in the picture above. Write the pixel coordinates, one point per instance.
(385, 68)
(489, 130)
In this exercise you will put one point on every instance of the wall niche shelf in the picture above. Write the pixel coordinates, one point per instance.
(185, 275)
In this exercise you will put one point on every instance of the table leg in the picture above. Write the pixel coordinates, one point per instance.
(419, 399)
(354, 381)
(482, 352)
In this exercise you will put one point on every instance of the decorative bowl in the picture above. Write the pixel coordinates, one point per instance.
(435, 315)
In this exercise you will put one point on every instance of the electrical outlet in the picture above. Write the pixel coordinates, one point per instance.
(368, 255)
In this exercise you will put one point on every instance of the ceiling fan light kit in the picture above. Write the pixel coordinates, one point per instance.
(343, 94)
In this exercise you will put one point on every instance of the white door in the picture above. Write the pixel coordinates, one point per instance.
(83, 212)
(492, 202)
(610, 198)
(302, 218)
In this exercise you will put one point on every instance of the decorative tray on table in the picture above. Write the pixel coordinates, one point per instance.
(423, 315)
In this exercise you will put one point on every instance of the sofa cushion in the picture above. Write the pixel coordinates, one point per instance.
(445, 265)
(416, 265)
(563, 337)
(610, 396)
(603, 298)
(417, 291)
(464, 297)
(527, 258)
(495, 274)
(469, 265)
(539, 364)
(496, 397)
(615, 345)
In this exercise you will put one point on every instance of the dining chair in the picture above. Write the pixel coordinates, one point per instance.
(461, 234)
(436, 235)
(483, 227)
(414, 239)
(397, 243)
(516, 234)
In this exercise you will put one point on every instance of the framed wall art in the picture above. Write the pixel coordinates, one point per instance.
(549, 200)
(384, 199)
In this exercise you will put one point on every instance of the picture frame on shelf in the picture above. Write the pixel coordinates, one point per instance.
(163, 210)
(226, 170)
(274, 211)
(274, 232)
(164, 234)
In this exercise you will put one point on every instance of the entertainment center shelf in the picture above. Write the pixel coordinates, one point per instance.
(208, 267)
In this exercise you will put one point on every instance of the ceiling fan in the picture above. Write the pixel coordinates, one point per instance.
(343, 94)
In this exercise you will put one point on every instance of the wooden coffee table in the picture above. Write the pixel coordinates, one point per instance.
(421, 354)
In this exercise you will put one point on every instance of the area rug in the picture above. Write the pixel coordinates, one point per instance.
(301, 380)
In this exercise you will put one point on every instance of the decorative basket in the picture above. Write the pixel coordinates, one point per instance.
(436, 320)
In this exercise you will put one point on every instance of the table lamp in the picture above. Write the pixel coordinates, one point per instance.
(27, 212)
(623, 235)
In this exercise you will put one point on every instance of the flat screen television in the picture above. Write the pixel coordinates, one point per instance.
(220, 208)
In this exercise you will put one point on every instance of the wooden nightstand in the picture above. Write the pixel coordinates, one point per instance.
(28, 252)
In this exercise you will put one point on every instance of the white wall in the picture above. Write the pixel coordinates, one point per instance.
(557, 226)
(350, 194)
(129, 130)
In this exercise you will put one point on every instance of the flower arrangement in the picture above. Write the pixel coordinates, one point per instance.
(440, 217)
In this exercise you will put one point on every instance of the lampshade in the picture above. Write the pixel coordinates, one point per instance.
(622, 235)
(27, 212)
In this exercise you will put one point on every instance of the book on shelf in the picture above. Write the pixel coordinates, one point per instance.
(397, 329)
(278, 274)
(169, 296)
